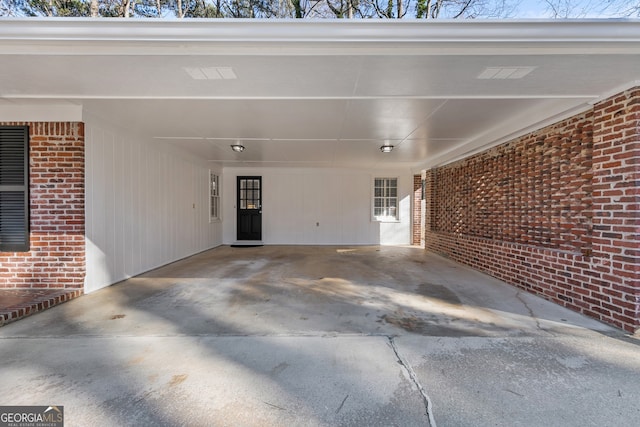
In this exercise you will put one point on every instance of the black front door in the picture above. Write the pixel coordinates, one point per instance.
(249, 208)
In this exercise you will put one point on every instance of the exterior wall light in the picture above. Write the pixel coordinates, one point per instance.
(238, 148)
(386, 148)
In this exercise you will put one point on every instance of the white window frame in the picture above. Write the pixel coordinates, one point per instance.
(385, 198)
(215, 206)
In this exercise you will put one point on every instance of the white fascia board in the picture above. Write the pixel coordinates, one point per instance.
(309, 37)
(40, 112)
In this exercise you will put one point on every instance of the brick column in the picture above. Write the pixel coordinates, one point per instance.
(56, 258)
(616, 197)
(417, 210)
(428, 202)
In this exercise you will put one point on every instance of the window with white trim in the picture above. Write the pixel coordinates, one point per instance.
(385, 199)
(214, 197)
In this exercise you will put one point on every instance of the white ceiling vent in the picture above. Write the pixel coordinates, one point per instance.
(503, 73)
(211, 73)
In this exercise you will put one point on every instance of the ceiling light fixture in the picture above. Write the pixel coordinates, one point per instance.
(238, 148)
(386, 148)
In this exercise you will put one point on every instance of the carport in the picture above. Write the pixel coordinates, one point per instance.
(290, 209)
(509, 146)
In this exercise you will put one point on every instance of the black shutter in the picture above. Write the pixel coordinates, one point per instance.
(14, 188)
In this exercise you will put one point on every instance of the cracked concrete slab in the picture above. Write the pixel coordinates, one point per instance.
(214, 381)
(527, 381)
(294, 335)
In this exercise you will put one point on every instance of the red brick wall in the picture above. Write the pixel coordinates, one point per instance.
(555, 212)
(57, 255)
(616, 202)
(417, 210)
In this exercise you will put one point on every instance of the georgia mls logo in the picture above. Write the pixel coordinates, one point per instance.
(31, 416)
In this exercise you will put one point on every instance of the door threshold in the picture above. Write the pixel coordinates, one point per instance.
(247, 243)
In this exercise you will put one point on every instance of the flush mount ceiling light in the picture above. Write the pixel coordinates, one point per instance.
(238, 148)
(386, 148)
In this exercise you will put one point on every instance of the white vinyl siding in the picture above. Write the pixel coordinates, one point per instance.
(147, 204)
(319, 206)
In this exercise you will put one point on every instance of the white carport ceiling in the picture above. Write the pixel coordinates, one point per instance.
(319, 93)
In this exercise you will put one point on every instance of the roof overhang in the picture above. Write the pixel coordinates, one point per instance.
(318, 37)
(318, 93)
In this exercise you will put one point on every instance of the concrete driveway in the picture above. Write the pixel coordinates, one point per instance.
(320, 336)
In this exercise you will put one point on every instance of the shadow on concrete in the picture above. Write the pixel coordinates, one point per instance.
(285, 336)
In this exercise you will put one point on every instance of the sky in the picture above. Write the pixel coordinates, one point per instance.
(579, 8)
(540, 9)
